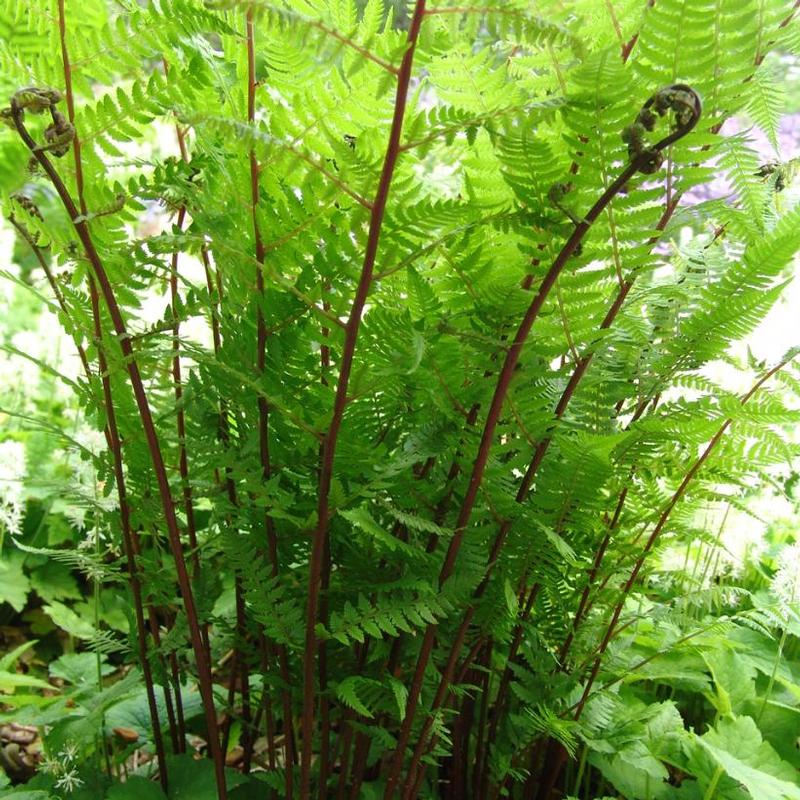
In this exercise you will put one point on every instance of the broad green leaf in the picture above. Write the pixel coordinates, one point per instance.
(79, 669)
(734, 679)
(737, 747)
(136, 788)
(193, 778)
(134, 712)
(14, 583)
(66, 619)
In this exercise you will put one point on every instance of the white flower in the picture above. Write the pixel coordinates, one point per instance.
(69, 780)
(11, 519)
(12, 462)
(786, 583)
(91, 439)
(76, 516)
(50, 765)
(12, 475)
(92, 538)
(69, 752)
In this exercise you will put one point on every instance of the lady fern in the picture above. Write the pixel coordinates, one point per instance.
(427, 388)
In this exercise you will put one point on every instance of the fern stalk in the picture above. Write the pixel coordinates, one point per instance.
(175, 718)
(320, 536)
(82, 229)
(111, 428)
(325, 710)
(638, 163)
(502, 693)
(183, 464)
(585, 605)
(263, 407)
(111, 435)
(180, 417)
(557, 753)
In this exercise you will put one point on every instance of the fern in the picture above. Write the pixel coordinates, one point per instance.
(427, 532)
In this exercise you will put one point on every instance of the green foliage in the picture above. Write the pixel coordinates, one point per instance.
(294, 444)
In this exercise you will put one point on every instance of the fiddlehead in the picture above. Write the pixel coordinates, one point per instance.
(37, 99)
(679, 98)
(59, 135)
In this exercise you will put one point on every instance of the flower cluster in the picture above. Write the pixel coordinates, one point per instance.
(12, 472)
(83, 490)
(63, 766)
(786, 582)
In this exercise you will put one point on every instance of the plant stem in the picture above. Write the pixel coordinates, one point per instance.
(263, 407)
(111, 430)
(81, 227)
(98, 659)
(712, 786)
(322, 665)
(128, 537)
(773, 675)
(320, 535)
(581, 768)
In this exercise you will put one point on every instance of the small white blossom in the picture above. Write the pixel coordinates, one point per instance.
(786, 583)
(50, 765)
(12, 475)
(76, 516)
(11, 519)
(92, 538)
(91, 439)
(68, 752)
(69, 780)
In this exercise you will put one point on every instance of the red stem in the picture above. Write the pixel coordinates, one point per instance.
(481, 459)
(263, 407)
(146, 417)
(111, 429)
(320, 536)
(492, 419)
(176, 734)
(627, 48)
(128, 536)
(183, 461)
(502, 689)
(325, 706)
(483, 737)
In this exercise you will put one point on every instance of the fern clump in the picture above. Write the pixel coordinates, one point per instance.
(428, 390)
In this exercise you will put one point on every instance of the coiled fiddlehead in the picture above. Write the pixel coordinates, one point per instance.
(37, 99)
(679, 98)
